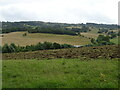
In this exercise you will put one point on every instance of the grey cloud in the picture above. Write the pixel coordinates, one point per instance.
(12, 10)
(15, 14)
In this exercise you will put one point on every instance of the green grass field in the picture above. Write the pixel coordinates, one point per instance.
(115, 40)
(60, 73)
(18, 39)
(94, 30)
(91, 34)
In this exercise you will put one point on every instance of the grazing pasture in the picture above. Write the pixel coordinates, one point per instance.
(60, 73)
(19, 39)
(90, 35)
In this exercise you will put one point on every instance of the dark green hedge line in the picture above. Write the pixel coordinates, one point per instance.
(40, 46)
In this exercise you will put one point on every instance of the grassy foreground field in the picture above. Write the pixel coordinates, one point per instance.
(60, 73)
(19, 39)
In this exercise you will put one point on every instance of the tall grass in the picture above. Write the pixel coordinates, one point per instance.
(60, 73)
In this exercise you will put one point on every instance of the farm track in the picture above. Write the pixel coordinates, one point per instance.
(108, 52)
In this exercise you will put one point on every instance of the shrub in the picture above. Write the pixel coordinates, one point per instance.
(56, 46)
(25, 34)
(48, 45)
(6, 49)
(66, 46)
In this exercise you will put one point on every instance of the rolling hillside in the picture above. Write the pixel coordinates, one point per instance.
(83, 67)
(19, 39)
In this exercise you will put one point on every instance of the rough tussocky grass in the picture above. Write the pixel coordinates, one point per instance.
(60, 73)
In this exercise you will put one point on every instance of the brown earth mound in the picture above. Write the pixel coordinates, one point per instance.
(109, 52)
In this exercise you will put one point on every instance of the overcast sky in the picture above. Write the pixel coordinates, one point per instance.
(64, 11)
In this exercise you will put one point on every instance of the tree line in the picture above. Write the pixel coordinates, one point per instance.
(48, 27)
(111, 34)
(53, 30)
(40, 46)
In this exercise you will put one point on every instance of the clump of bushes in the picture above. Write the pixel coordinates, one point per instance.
(25, 34)
(102, 40)
(40, 46)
